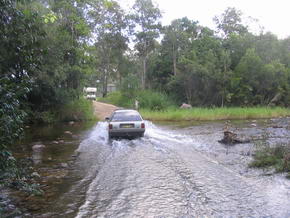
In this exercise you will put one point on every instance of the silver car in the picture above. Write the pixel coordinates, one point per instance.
(125, 123)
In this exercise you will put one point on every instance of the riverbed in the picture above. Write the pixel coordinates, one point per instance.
(175, 170)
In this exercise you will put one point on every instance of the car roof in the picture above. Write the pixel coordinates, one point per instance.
(125, 110)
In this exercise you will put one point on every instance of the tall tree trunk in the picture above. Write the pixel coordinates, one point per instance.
(143, 77)
(105, 81)
(174, 59)
(119, 78)
(225, 63)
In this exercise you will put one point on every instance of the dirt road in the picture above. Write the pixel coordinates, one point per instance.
(103, 110)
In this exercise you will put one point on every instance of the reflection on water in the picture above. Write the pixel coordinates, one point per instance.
(174, 171)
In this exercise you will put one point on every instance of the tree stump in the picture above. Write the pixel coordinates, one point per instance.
(231, 138)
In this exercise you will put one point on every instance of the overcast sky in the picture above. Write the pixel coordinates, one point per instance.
(273, 15)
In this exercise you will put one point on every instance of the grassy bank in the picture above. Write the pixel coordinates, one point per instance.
(158, 106)
(277, 157)
(207, 114)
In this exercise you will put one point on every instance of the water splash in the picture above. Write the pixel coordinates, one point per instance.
(164, 174)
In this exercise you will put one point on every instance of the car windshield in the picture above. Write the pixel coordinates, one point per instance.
(126, 116)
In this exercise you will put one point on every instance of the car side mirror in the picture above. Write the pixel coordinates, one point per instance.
(107, 119)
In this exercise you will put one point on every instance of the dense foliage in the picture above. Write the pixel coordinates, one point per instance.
(238, 69)
(19, 57)
(62, 46)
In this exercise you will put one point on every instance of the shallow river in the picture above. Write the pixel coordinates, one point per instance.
(176, 170)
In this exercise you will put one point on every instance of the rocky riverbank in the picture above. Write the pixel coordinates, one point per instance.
(49, 155)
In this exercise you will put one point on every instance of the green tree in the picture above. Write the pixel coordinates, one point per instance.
(60, 77)
(274, 84)
(110, 28)
(20, 57)
(177, 39)
(224, 77)
(248, 72)
(285, 51)
(268, 47)
(177, 42)
(237, 45)
(198, 64)
(146, 17)
(230, 22)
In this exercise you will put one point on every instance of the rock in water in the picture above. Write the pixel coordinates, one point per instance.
(68, 132)
(35, 174)
(38, 147)
(64, 165)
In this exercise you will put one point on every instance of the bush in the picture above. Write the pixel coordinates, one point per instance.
(147, 100)
(11, 122)
(77, 110)
(273, 156)
(118, 99)
(153, 100)
(42, 117)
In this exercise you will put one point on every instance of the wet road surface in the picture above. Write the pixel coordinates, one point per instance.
(170, 172)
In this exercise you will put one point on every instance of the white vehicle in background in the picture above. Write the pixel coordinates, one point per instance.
(90, 93)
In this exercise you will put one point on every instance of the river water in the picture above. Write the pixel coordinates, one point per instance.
(175, 170)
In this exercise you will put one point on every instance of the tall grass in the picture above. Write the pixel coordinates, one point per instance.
(207, 114)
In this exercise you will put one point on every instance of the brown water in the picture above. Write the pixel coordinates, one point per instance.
(176, 170)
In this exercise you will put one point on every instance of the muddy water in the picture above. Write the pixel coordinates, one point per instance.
(176, 170)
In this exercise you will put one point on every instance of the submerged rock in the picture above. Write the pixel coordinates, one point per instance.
(60, 141)
(64, 165)
(35, 175)
(68, 132)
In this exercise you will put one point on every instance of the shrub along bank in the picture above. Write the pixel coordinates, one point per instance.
(150, 100)
(277, 157)
(76, 110)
